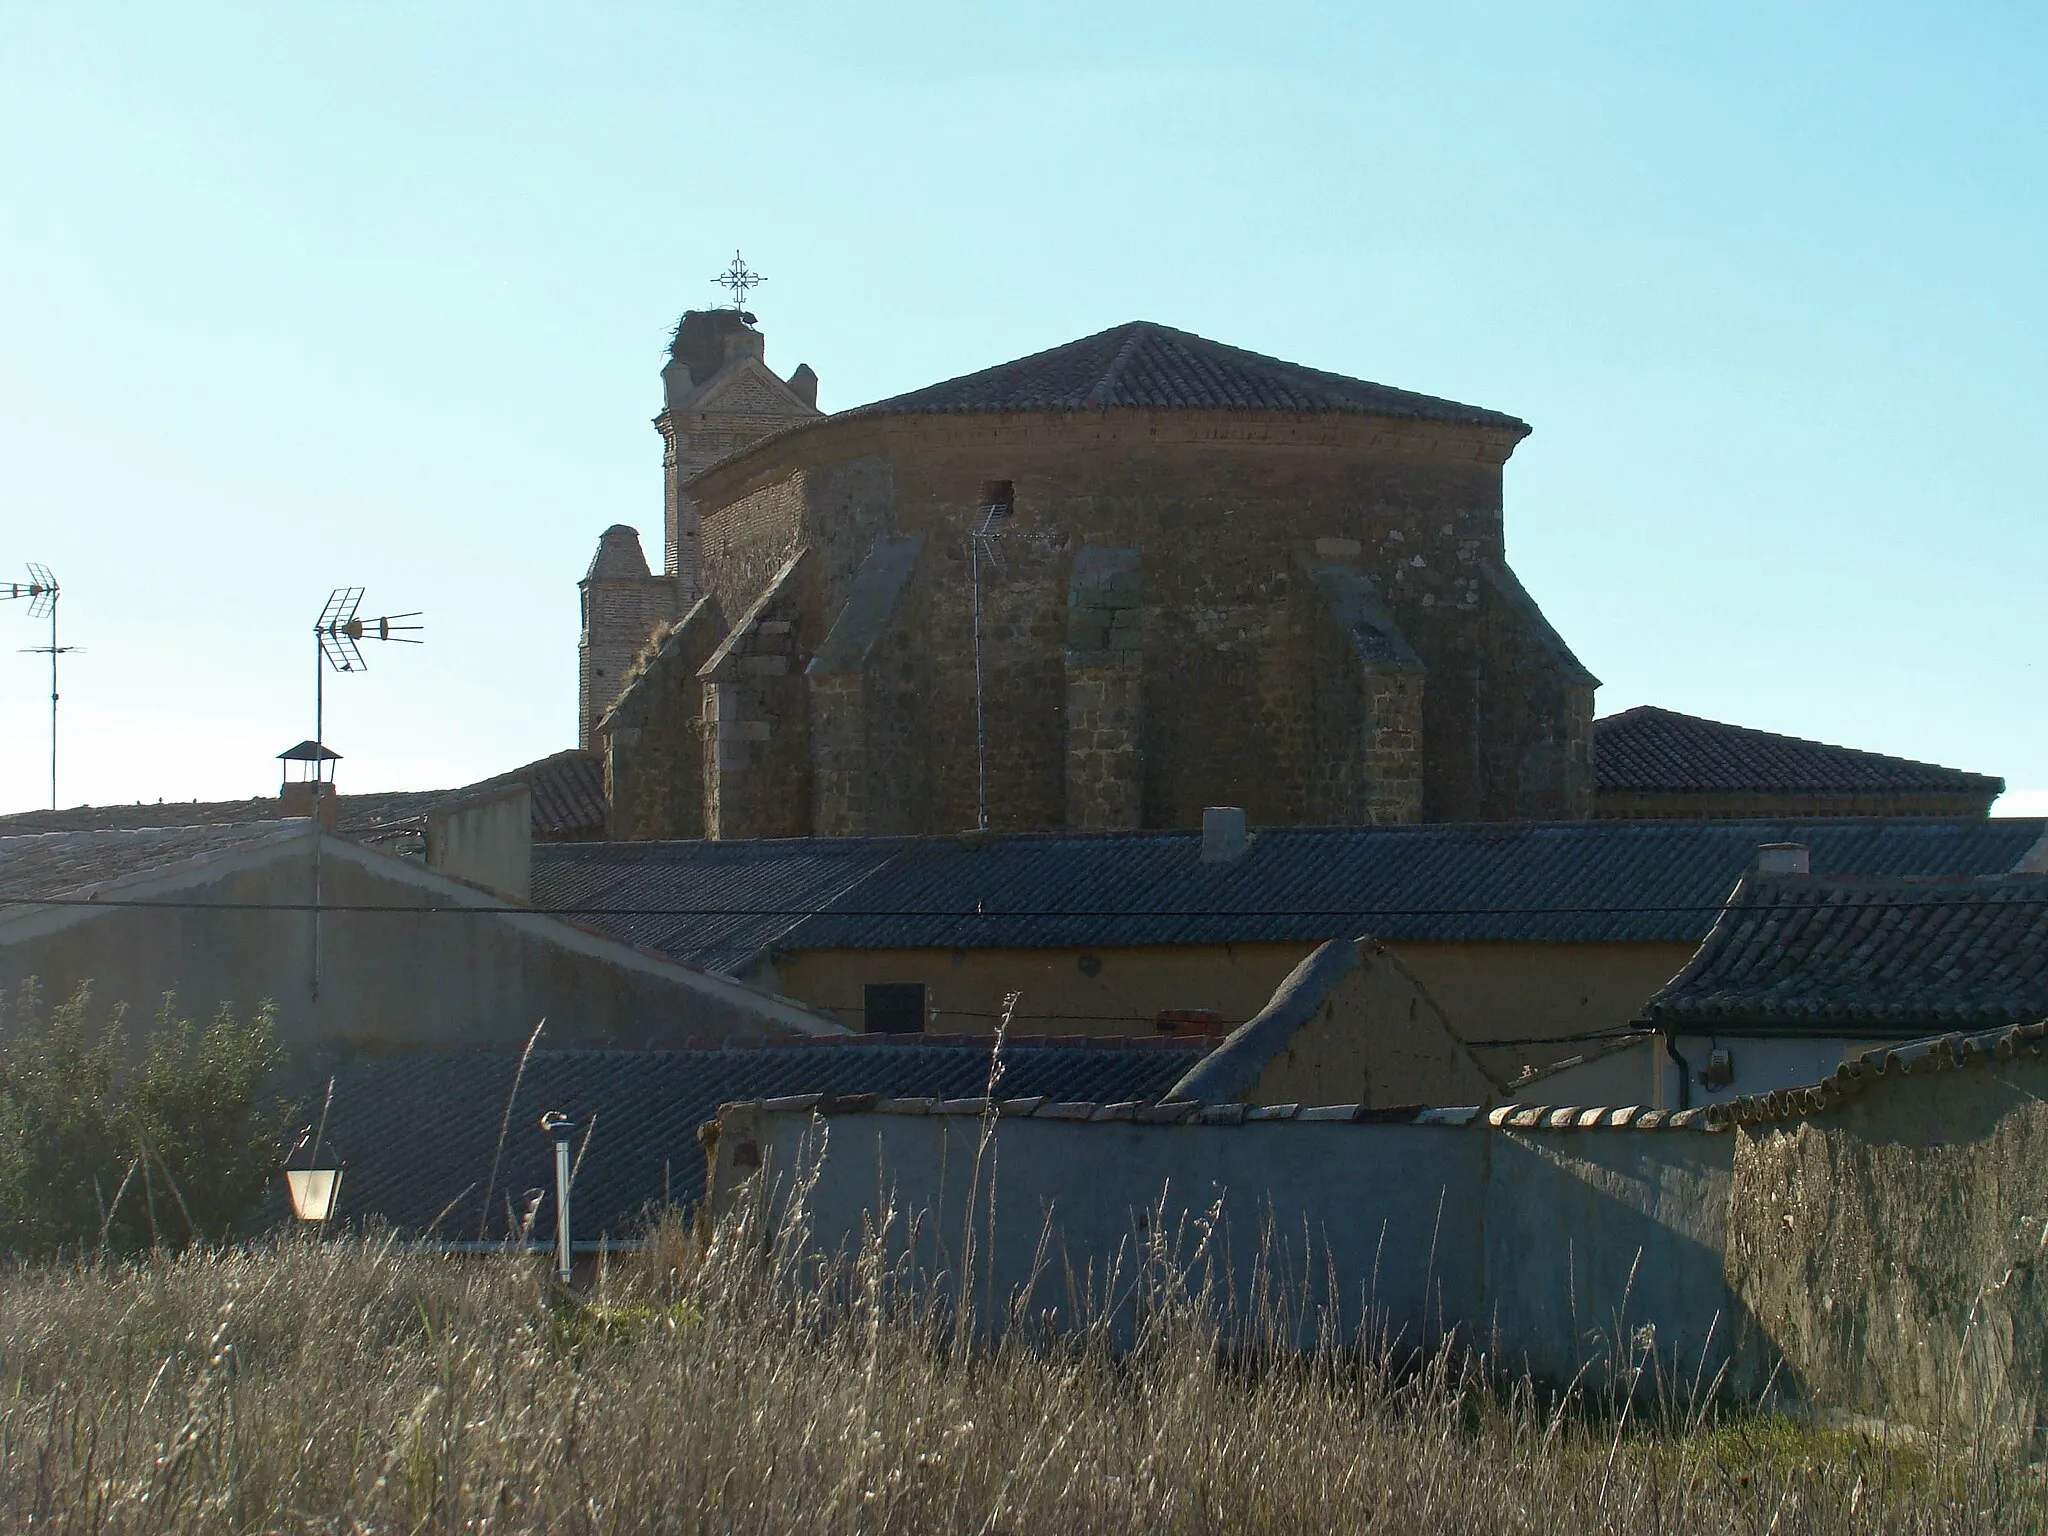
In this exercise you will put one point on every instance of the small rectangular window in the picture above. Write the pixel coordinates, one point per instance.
(895, 1008)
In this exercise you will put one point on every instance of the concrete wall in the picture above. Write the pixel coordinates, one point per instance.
(1592, 1235)
(378, 980)
(1542, 1247)
(1644, 1073)
(485, 840)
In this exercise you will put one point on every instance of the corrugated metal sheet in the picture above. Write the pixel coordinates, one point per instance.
(416, 1133)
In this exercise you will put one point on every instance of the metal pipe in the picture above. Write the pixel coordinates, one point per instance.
(54, 653)
(1684, 1069)
(560, 1128)
(564, 1269)
(980, 715)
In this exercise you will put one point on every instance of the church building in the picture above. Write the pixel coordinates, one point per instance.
(1094, 589)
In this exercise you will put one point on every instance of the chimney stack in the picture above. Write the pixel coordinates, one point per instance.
(1223, 835)
(1782, 859)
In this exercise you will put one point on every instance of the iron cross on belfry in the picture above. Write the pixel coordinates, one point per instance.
(736, 280)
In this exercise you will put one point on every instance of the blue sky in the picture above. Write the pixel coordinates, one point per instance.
(293, 296)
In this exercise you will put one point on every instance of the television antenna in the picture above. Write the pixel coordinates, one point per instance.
(42, 592)
(340, 633)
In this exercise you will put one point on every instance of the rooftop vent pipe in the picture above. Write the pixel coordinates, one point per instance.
(1223, 838)
(1782, 859)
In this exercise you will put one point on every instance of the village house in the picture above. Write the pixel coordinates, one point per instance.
(358, 950)
(1804, 970)
(1529, 940)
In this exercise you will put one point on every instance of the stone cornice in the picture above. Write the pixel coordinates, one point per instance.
(835, 439)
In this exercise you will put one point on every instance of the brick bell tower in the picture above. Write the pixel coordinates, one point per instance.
(718, 396)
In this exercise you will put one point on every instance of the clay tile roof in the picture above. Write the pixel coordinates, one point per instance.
(1154, 367)
(568, 804)
(416, 1133)
(1649, 749)
(1894, 1064)
(719, 904)
(1896, 956)
(568, 793)
(59, 864)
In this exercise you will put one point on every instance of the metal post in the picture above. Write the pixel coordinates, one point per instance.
(980, 716)
(560, 1127)
(564, 1266)
(319, 711)
(53, 705)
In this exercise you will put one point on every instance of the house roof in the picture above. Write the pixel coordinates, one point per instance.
(1859, 1073)
(568, 802)
(1891, 956)
(51, 865)
(568, 793)
(719, 904)
(1651, 750)
(711, 904)
(1154, 367)
(416, 1134)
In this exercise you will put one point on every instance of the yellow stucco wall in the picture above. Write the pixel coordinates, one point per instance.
(1485, 991)
(1064, 991)
(1525, 991)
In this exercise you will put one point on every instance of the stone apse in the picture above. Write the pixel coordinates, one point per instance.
(1210, 578)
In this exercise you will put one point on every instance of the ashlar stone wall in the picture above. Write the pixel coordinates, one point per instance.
(1308, 616)
(869, 768)
(1105, 739)
(654, 738)
(756, 762)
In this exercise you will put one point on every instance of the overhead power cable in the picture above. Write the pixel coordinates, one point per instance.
(451, 909)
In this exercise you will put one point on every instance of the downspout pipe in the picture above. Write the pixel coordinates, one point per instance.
(1684, 1069)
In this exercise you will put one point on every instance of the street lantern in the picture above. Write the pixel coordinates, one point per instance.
(314, 1190)
(559, 1127)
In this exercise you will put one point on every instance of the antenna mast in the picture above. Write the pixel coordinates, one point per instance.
(338, 634)
(998, 501)
(42, 592)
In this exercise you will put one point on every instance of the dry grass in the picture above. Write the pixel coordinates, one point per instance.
(344, 1386)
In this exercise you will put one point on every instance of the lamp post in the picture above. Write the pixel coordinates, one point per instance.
(560, 1128)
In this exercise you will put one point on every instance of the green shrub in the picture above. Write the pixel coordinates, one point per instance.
(105, 1148)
